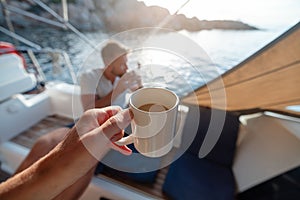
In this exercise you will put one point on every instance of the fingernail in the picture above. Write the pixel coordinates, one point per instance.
(114, 138)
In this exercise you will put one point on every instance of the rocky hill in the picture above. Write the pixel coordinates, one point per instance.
(119, 15)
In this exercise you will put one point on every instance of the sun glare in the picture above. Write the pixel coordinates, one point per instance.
(205, 9)
(251, 11)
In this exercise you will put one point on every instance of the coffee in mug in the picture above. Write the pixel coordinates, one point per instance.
(151, 107)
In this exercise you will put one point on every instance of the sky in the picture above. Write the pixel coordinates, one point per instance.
(260, 13)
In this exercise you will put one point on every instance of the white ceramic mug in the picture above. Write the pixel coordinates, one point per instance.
(153, 131)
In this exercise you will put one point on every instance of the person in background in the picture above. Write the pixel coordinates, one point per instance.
(107, 86)
(64, 169)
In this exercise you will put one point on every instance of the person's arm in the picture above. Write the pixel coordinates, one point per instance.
(88, 86)
(91, 101)
(84, 146)
(129, 80)
(89, 97)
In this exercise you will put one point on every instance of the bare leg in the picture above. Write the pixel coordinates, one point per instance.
(43, 146)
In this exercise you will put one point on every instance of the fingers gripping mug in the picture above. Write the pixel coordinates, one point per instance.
(154, 122)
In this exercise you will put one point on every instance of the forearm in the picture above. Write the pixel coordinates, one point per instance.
(55, 172)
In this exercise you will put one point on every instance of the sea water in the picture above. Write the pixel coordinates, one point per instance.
(188, 61)
(183, 70)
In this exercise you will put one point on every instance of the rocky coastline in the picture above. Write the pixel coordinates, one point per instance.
(117, 15)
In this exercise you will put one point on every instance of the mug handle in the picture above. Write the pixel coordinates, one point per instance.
(181, 117)
(125, 140)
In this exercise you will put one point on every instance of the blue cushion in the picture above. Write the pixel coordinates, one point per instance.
(122, 162)
(192, 178)
(223, 151)
(211, 177)
(145, 177)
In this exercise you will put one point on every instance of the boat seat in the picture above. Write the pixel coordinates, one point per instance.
(268, 146)
(15, 106)
(211, 177)
(14, 78)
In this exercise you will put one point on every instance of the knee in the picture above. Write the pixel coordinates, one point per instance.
(51, 139)
(43, 144)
